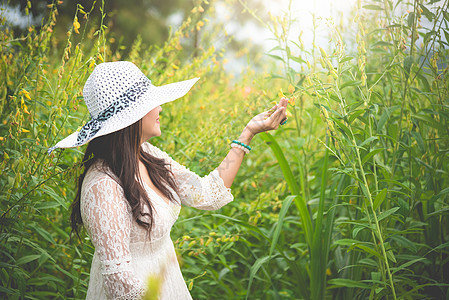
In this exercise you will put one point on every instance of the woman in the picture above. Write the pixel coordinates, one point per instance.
(131, 192)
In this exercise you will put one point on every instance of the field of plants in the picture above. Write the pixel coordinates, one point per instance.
(348, 200)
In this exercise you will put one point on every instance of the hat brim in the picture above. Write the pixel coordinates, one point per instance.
(153, 97)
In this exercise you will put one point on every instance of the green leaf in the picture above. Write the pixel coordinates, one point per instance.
(285, 206)
(408, 61)
(4, 290)
(429, 35)
(429, 15)
(297, 59)
(443, 192)
(373, 7)
(356, 230)
(347, 242)
(44, 233)
(368, 140)
(381, 44)
(254, 268)
(367, 250)
(419, 141)
(446, 34)
(345, 59)
(349, 283)
(379, 199)
(446, 15)
(275, 57)
(350, 83)
(47, 205)
(291, 182)
(27, 259)
(355, 114)
(425, 83)
(342, 127)
(50, 192)
(371, 154)
(410, 19)
(390, 255)
(387, 213)
(276, 49)
(407, 264)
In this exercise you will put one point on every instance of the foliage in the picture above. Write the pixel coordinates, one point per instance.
(348, 200)
(378, 228)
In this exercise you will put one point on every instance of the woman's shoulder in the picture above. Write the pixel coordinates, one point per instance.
(153, 150)
(99, 174)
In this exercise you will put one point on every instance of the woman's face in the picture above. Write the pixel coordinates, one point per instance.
(150, 124)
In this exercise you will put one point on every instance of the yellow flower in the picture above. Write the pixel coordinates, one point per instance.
(281, 94)
(291, 88)
(209, 241)
(25, 130)
(292, 101)
(26, 94)
(175, 67)
(76, 25)
(199, 25)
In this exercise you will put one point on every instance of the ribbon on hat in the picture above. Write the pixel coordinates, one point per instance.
(131, 95)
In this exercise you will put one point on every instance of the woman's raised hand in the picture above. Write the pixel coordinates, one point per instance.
(270, 119)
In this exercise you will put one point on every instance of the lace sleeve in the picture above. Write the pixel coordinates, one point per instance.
(207, 193)
(108, 222)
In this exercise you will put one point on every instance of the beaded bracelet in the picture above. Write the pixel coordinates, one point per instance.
(240, 145)
(234, 145)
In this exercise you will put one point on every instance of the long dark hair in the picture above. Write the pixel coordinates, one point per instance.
(120, 153)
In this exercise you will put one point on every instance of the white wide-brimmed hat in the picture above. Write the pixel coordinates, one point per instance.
(118, 94)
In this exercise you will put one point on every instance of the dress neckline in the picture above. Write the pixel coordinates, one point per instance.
(154, 192)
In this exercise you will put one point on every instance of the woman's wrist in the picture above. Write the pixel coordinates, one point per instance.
(246, 136)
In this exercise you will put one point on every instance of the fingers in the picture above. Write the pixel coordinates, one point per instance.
(278, 116)
(278, 112)
(269, 112)
(283, 102)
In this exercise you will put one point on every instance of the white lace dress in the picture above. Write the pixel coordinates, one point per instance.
(124, 257)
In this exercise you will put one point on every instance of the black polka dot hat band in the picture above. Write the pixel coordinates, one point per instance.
(117, 95)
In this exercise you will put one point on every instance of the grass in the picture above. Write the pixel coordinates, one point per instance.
(349, 200)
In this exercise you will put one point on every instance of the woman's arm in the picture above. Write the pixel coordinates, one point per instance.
(262, 122)
(108, 223)
(202, 192)
(230, 165)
